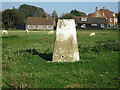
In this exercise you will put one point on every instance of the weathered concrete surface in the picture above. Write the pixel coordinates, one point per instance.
(66, 48)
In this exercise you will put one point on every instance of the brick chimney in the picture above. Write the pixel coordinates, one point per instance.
(103, 7)
(96, 9)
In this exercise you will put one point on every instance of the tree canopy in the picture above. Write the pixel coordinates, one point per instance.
(11, 18)
(54, 14)
(32, 11)
(67, 16)
(77, 13)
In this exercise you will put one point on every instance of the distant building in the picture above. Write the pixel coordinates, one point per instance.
(40, 23)
(107, 14)
(91, 23)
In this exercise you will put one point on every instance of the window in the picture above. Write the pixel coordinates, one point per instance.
(102, 26)
(84, 19)
(103, 14)
(28, 26)
(93, 24)
(113, 14)
(83, 26)
(110, 19)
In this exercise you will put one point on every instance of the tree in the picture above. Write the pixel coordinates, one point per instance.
(11, 18)
(67, 16)
(0, 19)
(77, 13)
(118, 16)
(54, 14)
(32, 11)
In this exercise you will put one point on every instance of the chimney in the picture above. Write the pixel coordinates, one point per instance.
(103, 7)
(96, 9)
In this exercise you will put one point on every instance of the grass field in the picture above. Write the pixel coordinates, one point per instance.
(23, 67)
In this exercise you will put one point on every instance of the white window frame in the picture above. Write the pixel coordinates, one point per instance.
(93, 24)
(111, 20)
(103, 14)
(113, 14)
(83, 26)
(102, 25)
(84, 19)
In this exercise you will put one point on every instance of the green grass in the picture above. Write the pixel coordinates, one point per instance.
(23, 68)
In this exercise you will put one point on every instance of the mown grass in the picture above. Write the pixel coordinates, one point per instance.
(25, 61)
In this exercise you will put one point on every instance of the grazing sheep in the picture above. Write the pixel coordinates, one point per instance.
(50, 32)
(92, 34)
(27, 31)
(4, 32)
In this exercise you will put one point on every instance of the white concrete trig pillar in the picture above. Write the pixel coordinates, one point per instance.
(66, 47)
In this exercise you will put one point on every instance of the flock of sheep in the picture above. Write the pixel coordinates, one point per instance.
(50, 32)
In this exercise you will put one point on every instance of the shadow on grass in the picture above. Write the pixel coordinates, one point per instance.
(11, 36)
(46, 56)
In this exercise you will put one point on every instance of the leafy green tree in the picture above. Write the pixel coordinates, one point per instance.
(54, 14)
(67, 16)
(0, 19)
(11, 18)
(77, 13)
(118, 16)
(32, 11)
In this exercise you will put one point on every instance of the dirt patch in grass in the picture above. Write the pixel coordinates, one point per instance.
(74, 86)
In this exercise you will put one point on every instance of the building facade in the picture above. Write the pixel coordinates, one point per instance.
(90, 23)
(107, 14)
(40, 23)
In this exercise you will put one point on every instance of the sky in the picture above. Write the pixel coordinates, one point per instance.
(65, 7)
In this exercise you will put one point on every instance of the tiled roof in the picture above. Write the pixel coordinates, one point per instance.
(92, 20)
(40, 21)
(107, 13)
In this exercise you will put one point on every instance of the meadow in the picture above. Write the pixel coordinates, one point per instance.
(26, 61)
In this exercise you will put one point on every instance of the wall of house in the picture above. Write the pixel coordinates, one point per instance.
(90, 27)
(40, 27)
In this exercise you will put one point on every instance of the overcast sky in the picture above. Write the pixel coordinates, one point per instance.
(65, 7)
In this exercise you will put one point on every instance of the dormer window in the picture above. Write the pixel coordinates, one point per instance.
(103, 14)
(84, 19)
(113, 14)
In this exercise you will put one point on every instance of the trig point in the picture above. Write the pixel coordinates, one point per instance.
(66, 48)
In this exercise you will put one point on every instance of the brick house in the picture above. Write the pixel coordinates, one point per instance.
(91, 23)
(107, 14)
(40, 23)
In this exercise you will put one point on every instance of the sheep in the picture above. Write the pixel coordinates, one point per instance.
(27, 31)
(4, 32)
(92, 34)
(50, 32)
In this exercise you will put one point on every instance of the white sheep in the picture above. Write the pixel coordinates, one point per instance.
(50, 32)
(27, 31)
(4, 32)
(92, 34)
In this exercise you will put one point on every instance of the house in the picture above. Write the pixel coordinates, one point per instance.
(40, 23)
(107, 14)
(91, 23)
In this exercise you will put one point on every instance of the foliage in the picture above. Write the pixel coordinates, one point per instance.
(32, 11)
(77, 13)
(25, 61)
(54, 14)
(67, 16)
(11, 18)
(118, 16)
(0, 19)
